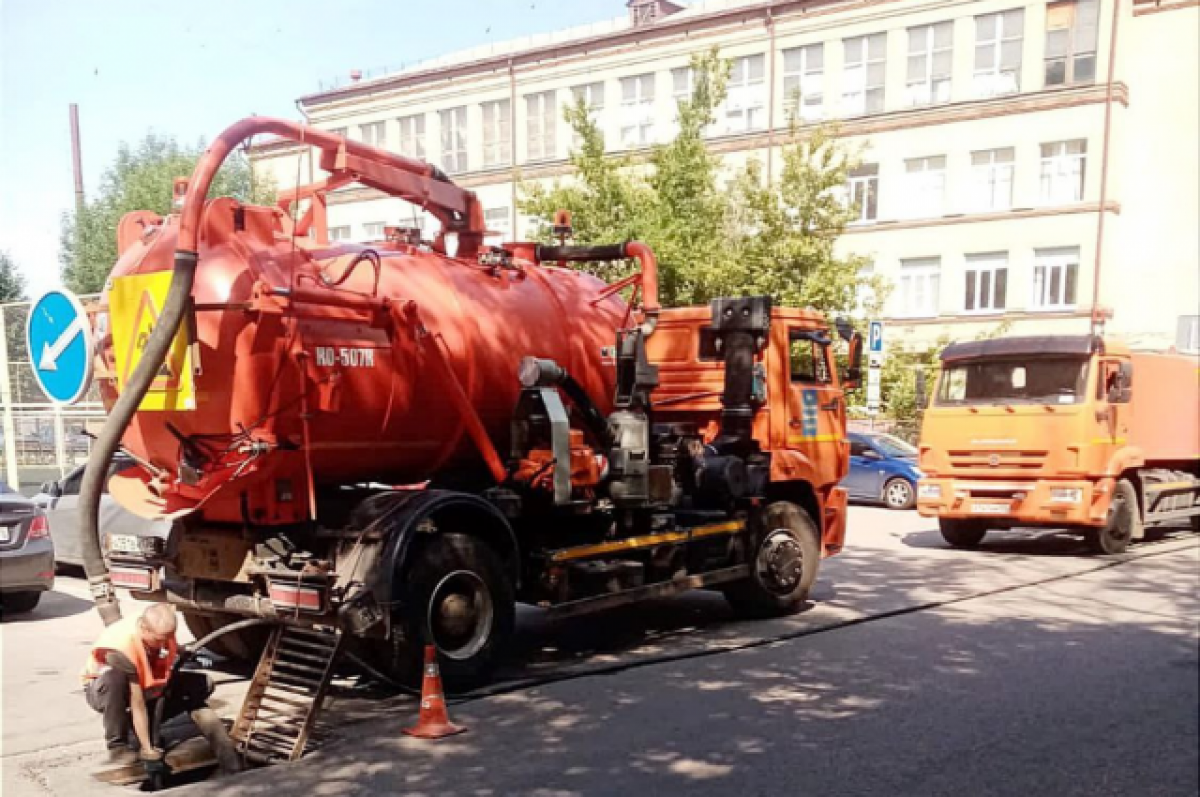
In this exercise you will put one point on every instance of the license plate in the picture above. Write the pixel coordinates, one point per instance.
(124, 543)
(990, 509)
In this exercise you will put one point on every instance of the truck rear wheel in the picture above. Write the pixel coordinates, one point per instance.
(457, 597)
(787, 556)
(962, 533)
(1124, 522)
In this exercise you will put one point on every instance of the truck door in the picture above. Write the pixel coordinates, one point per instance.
(815, 408)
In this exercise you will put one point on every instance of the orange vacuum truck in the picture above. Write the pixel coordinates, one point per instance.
(398, 443)
(1072, 432)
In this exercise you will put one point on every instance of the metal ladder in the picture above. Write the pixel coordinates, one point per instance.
(280, 710)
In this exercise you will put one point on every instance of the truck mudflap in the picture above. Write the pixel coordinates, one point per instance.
(834, 532)
(1033, 503)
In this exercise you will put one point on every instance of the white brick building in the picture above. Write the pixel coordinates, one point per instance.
(1012, 150)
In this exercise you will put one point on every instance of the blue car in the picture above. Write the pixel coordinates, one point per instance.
(882, 468)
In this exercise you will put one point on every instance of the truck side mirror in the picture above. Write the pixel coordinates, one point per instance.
(853, 376)
(1121, 391)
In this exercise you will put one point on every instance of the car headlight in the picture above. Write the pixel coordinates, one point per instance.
(933, 491)
(1066, 495)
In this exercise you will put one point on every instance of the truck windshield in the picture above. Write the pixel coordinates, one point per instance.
(1034, 380)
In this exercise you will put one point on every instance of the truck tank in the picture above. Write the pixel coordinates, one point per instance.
(318, 365)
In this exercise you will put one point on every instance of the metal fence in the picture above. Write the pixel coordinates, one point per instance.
(41, 441)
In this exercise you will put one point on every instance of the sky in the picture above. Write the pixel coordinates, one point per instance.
(189, 69)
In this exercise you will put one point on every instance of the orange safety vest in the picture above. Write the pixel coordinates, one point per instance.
(123, 637)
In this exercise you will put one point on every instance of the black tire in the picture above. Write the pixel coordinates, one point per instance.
(471, 623)
(786, 539)
(962, 533)
(898, 493)
(243, 646)
(19, 602)
(1123, 524)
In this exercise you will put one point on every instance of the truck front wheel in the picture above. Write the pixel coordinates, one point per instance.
(1124, 522)
(962, 533)
(457, 597)
(787, 555)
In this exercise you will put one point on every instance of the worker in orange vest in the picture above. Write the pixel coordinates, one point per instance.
(127, 671)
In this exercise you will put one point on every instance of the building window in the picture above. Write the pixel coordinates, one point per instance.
(412, 136)
(497, 133)
(498, 221)
(373, 231)
(863, 77)
(1072, 29)
(592, 95)
(637, 110)
(863, 192)
(991, 179)
(541, 123)
(374, 134)
(925, 184)
(746, 96)
(682, 78)
(1063, 167)
(340, 233)
(920, 281)
(865, 298)
(1187, 334)
(803, 81)
(987, 283)
(454, 139)
(930, 51)
(1055, 277)
(998, 42)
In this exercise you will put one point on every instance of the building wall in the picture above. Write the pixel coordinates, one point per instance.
(1151, 126)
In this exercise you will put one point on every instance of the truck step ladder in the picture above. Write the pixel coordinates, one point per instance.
(280, 710)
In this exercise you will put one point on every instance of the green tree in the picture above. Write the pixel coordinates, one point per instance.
(141, 178)
(12, 281)
(713, 236)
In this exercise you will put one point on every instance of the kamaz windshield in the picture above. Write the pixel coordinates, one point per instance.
(1034, 380)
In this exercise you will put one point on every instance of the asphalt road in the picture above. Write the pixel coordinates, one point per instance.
(1027, 667)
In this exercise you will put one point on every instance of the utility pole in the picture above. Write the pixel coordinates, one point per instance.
(76, 163)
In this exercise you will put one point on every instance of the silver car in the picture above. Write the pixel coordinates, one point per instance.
(60, 500)
(26, 553)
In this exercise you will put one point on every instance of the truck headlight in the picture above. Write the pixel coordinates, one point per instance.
(933, 491)
(1066, 495)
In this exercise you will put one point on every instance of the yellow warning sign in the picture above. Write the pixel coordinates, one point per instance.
(134, 304)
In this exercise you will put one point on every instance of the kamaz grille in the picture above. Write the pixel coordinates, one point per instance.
(1024, 461)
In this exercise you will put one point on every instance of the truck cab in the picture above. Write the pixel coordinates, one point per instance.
(1048, 431)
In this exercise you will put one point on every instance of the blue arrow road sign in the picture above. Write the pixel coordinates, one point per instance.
(60, 346)
(875, 338)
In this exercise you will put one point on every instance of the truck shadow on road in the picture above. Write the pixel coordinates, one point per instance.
(926, 691)
(1039, 542)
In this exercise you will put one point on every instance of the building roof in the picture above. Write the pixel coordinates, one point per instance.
(542, 44)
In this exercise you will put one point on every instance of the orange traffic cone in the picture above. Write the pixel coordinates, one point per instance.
(433, 722)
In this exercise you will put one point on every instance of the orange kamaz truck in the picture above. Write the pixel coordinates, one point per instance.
(1072, 432)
